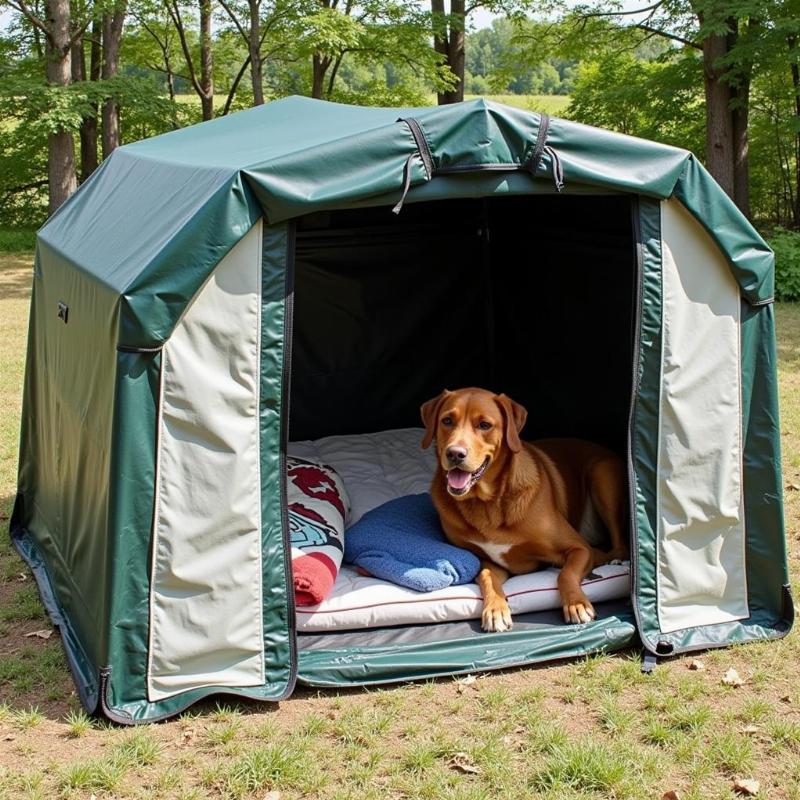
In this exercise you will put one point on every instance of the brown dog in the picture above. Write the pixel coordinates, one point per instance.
(517, 505)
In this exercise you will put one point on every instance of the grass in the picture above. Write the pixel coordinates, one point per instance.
(547, 103)
(16, 240)
(586, 730)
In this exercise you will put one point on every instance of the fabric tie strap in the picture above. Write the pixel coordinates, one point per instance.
(406, 183)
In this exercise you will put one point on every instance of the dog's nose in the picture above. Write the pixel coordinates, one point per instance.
(456, 454)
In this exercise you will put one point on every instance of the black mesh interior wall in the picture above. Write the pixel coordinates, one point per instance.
(528, 295)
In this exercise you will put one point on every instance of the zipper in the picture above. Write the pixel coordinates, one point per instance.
(637, 326)
(286, 379)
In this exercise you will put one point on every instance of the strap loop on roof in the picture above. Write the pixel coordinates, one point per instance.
(540, 148)
(406, 183)
(422, 144)
(558, 169)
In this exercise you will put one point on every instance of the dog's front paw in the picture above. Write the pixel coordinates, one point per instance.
(577, 608)
(496, 616)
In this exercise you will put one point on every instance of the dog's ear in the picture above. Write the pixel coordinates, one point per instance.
(515, 416)
(429, 411)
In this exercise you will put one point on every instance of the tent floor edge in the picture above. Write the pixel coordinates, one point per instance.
(88, 689)
(483, 652)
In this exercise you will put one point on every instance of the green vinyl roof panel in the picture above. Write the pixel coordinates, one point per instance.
(159, 214)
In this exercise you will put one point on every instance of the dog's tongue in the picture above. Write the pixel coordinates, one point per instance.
(458, 478)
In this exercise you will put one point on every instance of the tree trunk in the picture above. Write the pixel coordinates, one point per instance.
(741, 159)
(89, 129)
(719, 119)
(254, 48)
(449, 42)
(740, 110)
(112, 39)
(170, 77)
(206, 61)
(319, 64)
(332, 76)
(61, 178)
(795, 70)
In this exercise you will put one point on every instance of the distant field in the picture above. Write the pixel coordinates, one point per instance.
(548, 103)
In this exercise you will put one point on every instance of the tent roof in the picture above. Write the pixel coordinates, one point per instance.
(159, 214)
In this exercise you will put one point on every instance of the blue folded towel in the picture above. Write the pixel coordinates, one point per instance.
(402, 541)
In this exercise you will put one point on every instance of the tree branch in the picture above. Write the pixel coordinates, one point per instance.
(235, 21)
(34, 19)
(235, 86)
(667, 35)
(633, 12)
(175, 15)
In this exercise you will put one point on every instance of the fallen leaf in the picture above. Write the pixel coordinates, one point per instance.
(462, 683)
(786, 698)
(273, 795)
(188, 734)
(670, 795)
(9, 737)
(43, 634)
(697, 665)
(463, 763)
(22, 577)
(746, 786)
(731, 678)
(751, 729)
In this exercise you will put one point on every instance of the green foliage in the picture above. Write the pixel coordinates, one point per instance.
(499, 60)
(17, 240)
(786, 245)
(659, 100)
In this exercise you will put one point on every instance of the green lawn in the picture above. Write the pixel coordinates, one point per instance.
(548, 103)
(594, 728)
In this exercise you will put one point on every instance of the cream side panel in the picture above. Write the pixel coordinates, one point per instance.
(205, 605)
(701, 536)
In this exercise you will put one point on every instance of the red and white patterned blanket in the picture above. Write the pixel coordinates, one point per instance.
(318, 506)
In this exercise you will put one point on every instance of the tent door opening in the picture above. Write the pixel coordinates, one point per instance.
(533, 296)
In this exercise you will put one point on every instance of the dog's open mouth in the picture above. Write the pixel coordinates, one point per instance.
(459, 481)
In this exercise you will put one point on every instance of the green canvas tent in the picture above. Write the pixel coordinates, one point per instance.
(214, 292)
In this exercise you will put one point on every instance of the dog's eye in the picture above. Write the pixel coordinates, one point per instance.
(447, 421)
(484, 425)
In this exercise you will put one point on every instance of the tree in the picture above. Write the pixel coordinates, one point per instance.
(449, 31)
(153, 45)
(373, 31)
(113, 21)
(60, 32)
(257, 23)
(89, 130)
(202, 79)
(724, 32)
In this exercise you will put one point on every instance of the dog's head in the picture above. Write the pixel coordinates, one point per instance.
(472, 428)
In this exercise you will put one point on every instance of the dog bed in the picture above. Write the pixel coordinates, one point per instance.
(358, 601)
(376, 468)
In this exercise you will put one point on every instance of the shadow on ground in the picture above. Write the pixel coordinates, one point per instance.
(16, 276)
